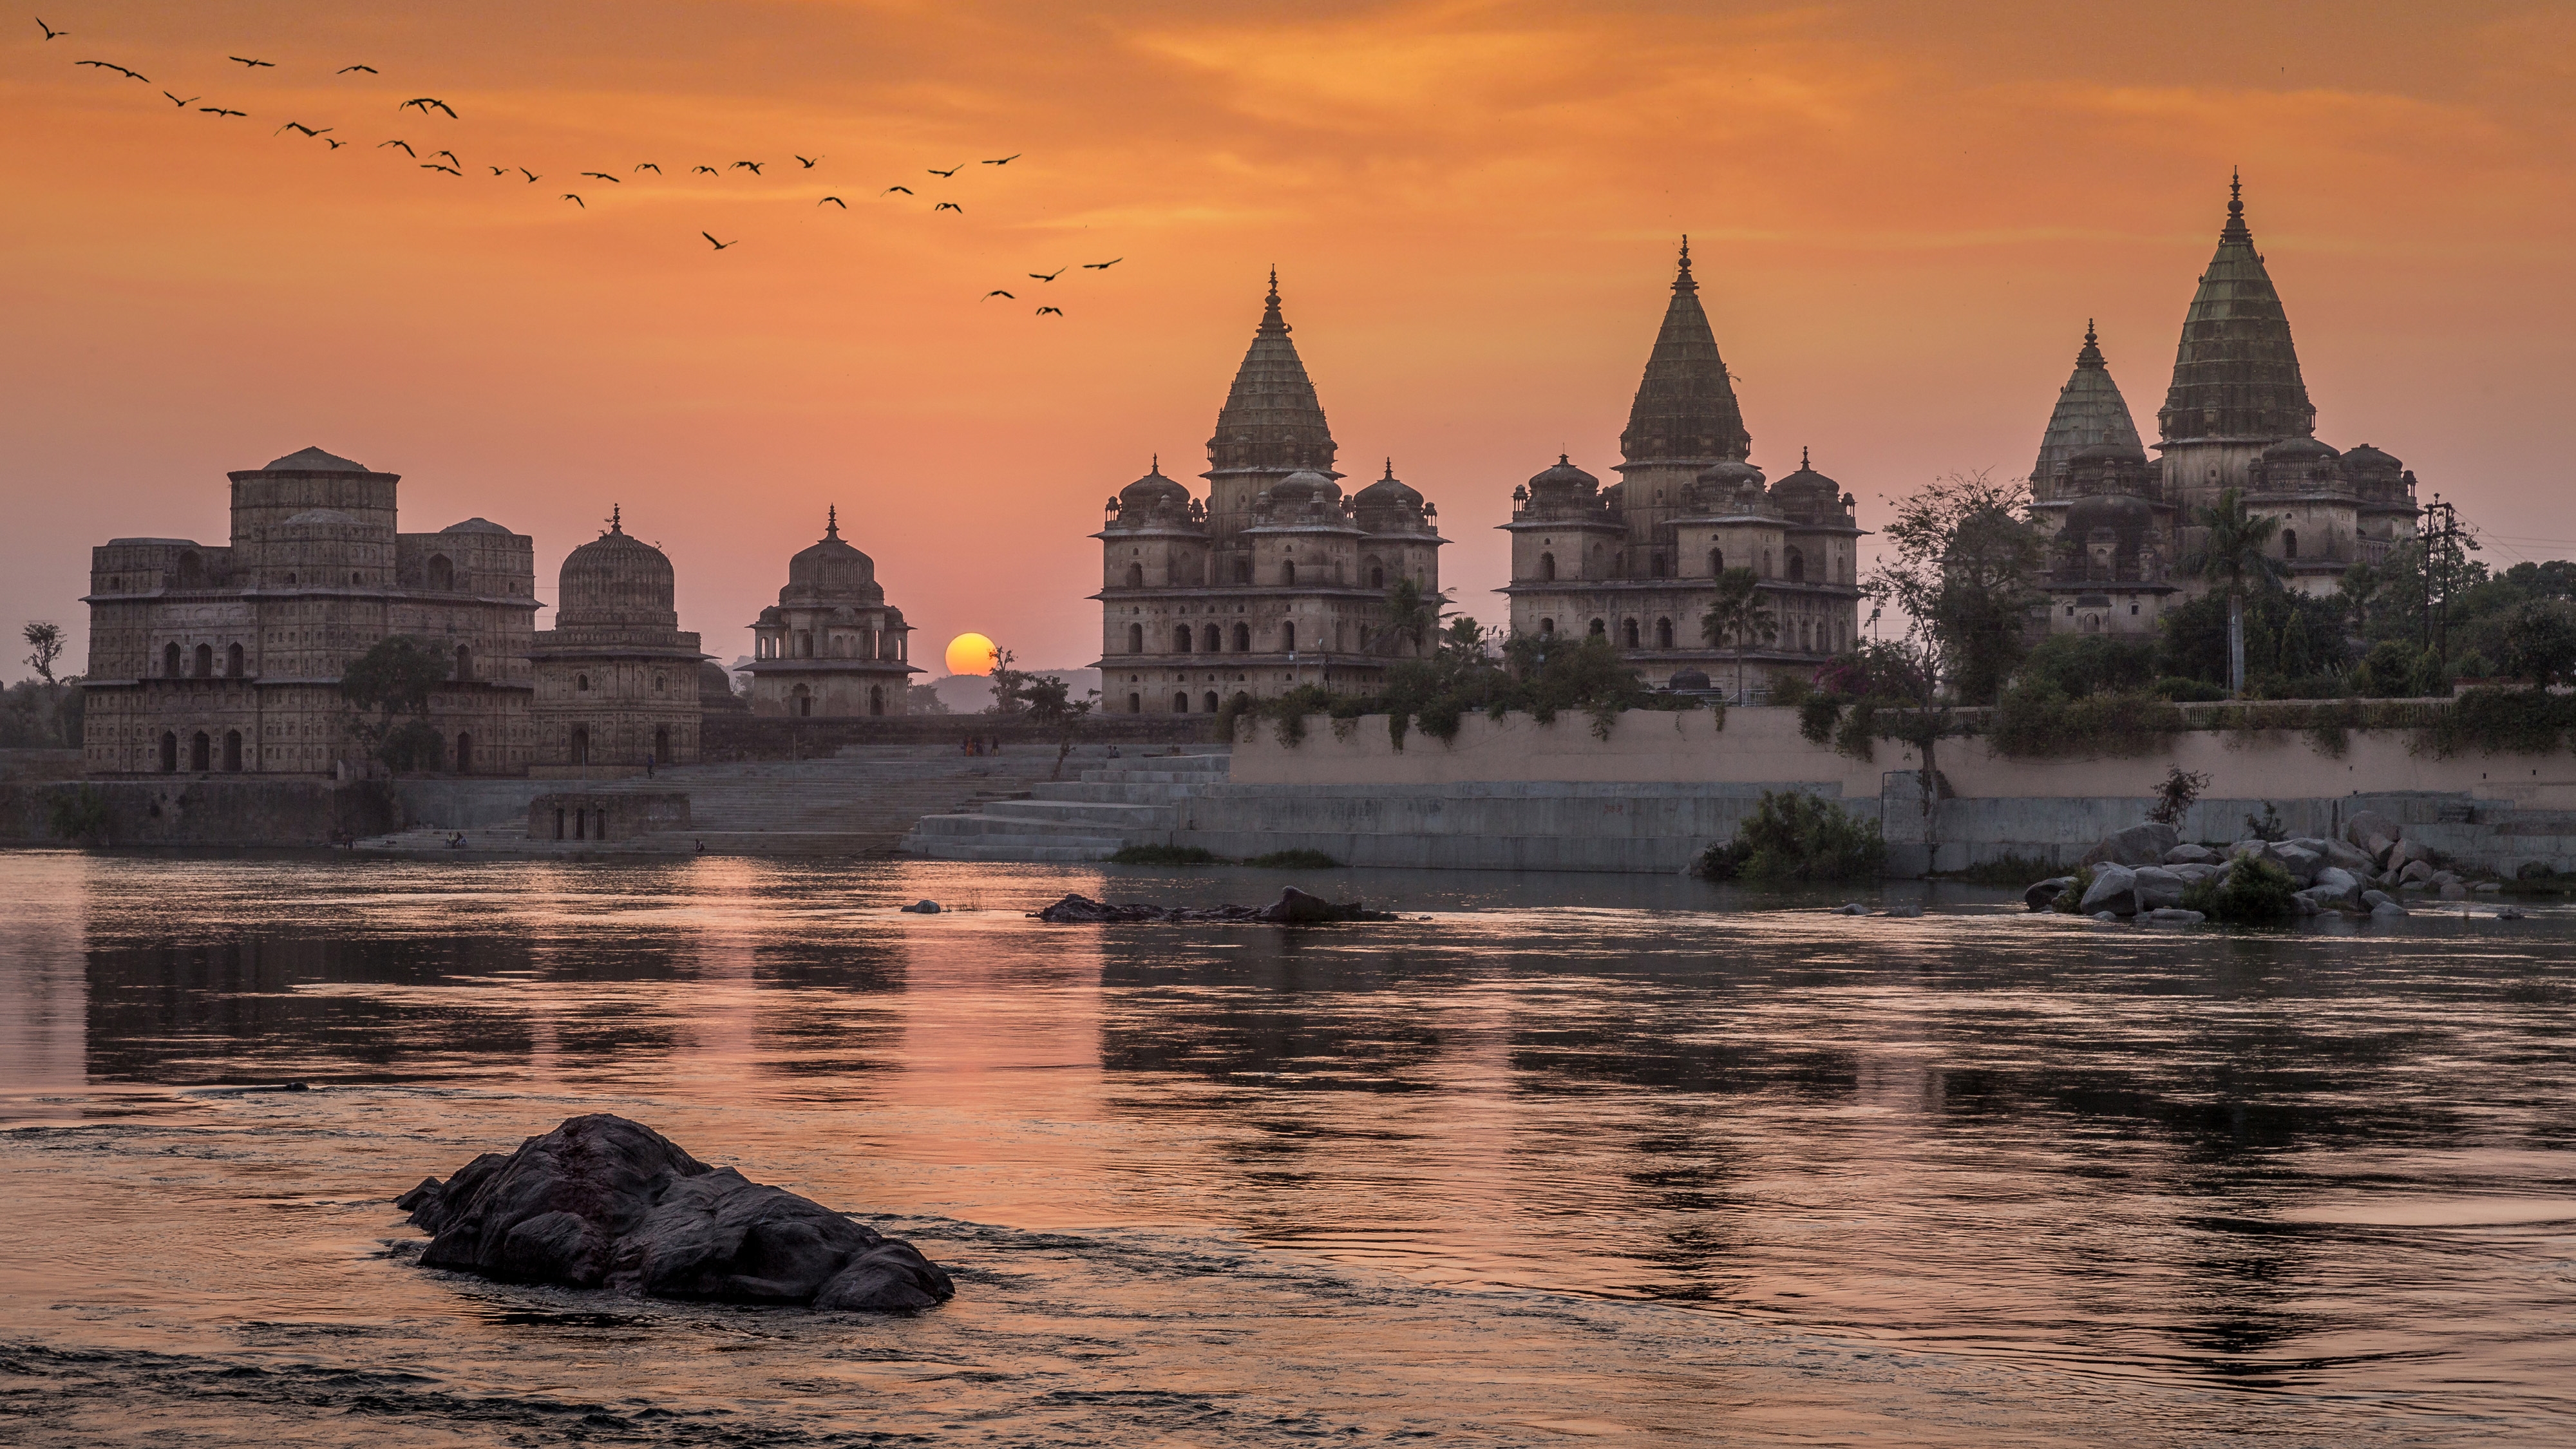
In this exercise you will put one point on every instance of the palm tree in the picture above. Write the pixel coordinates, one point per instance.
(1411, 614)
(1738, 616)
(2233, 556)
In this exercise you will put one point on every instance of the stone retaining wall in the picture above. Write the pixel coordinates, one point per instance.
(774, 737)
(187, 810)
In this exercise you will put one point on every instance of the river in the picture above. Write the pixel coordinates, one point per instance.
(1555, 1159)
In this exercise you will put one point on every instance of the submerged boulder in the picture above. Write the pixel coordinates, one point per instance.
(2114, 889)
(602, 1202)
(1293, 908)
(2042, 895)
(2144, 844)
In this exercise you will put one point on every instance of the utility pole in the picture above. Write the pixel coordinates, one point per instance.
(2441, 533)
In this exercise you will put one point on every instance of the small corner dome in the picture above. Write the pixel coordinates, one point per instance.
(1563, 475)
(2123, 513)
(475, 525)
(1152, 490)
(2100, 453)
(1302, 485)
(1728, 473)
(1389, 492)
(313, 460)
(2290, 450)
(2363, 458)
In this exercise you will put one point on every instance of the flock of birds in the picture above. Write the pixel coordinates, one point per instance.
(446, 161)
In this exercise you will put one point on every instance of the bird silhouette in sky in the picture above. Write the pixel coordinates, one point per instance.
(253, 64)
(450, 155)
(220, 111)
(406, 145)
(836, 201)
(1102, 266)
(1007, 160)
(183, 105)
(300, 126)
(120, 70)
(950, 206)
(998, 292)
(891, 190)
(1048, 276)
(1042, 311)
(604, 176)
(434, 166)
(344, 70)
(577, 201)
(425, 103)
(334, 145)
(533, 178)
(648, 166)
(500, 170)
(50, 32)
(709, 170)
(809, 161)
(751, 166)
(719, 246)
(951, 171)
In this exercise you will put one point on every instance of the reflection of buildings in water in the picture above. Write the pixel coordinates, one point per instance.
(43, 995)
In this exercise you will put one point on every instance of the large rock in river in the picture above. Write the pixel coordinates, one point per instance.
(2138, 845)
(604, 1202)
(2114, 889)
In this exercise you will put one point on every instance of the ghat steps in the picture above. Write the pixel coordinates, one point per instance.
(1112, 805)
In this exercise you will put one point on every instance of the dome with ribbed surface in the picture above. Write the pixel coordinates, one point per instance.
(2236, 372)
(1807, 495)
(831, 571)
(1271, 418)
(2090, 413)
(1152, 491)
(1685, 409)
(616, 578)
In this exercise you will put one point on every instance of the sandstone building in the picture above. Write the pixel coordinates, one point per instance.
(1637, 561)
(1277, 578)
(2236, 415)
(617, 681)
(229, 657)
(831, 646)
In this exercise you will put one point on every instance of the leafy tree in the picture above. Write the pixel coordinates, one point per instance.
(2078, 665)
(1965, 564)
(2232, 559)
(1738, 616)
(2539, 642)
(390, 687)
(1793, 836)
(1046, 699)
(47, 640)
(1411, 615)
(2281, 628)
(924, 699)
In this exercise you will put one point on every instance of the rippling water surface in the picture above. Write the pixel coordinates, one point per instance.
(1565, 1158)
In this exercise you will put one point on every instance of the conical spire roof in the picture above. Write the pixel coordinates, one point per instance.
(2090, 412)
(1271, 420)
(1685, 408)
(2236, 374)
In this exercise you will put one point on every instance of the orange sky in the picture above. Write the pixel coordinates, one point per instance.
(1903, 215)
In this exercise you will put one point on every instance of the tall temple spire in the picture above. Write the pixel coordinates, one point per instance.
(2090, 413)
(832, 521)
(2236, 372)
(1685, 407)
(1271, 421)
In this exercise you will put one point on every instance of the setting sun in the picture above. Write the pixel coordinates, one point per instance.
(970, 654)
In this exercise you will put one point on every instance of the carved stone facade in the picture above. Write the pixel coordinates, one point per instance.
(617, 679)
(831, 647)
(224, 659)
(2236, 416)
(1637, 561)
(1277, 579)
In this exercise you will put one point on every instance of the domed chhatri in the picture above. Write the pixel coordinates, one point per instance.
(617, 679)
(228, 658)
(1277, 579)
(831, 647)
(2236, 416)
(1638, 563)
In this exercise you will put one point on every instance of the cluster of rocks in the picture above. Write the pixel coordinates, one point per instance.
(2143, 871)
(602, 1202)
(1293, 908)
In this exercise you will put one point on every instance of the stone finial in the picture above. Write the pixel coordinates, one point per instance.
(1272, 323)
(616, 518)
(832, 521)
(1682, 279)
(2235, 230)
(2090, 354)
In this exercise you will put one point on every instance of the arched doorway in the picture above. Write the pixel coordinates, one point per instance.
(1547, 568)
(169, 749)
(1243, 638)
(1215, 638)
(801, 703)
(170, 661)
(232, 661)
(1135, 704)
(1288, 573)
(442, 574)
(1628, 633)
(464, 661)
(1598, 629)
(1135, 576)
(876, 699)
(1716, 562)
(1181, 702)
(581, 744)
(661, 744)
(1663, 633)
(1794, 564)
(232, 751)
(1288, 638)
(1135, 638)
(201, 753)
(464, 754)
(205, 661)
(1211, 702)
(2289, 543)
(1181, 640)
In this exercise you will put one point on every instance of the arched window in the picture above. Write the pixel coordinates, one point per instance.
(353, 576)
(1210, 702)
(205, 661)
(661, 682)
(581, 682)
(1658, 566)
(1598, 630)
(464, 661)
(1716, 562)
(1288, 572)
(1288, 637)
(170, 661)
(1181, 639)
(1796, 564)
(1547, 568)
(1766, 563)
(1135, 576)
(464, 754)
(442, 574)
(1243, 638)
(1242, 570)
(581, 743)
(1547, 626)
(1663, 633)
(232, 661)
(1377, 577)
(876, 699)
(1135, 704)
(1628, 633)
(1135, 638)
(1181, 702)
(169, 751)
(804, 701)
(1214, 639)
(232, 751)
(2289, 543)
(201, 753)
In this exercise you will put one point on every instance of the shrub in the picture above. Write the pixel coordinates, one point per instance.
(1166, 855)
(2254, 891)
(1791, 690)
(80, 815)
(2503, 721)
(2174, 797)
(1817, 716)
(2267, 826)
(1791, 835)
(2035, 720)
(1295, 860)
(2076, 665)
(2070, 901)
(2188, 691)
(2007, 870)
